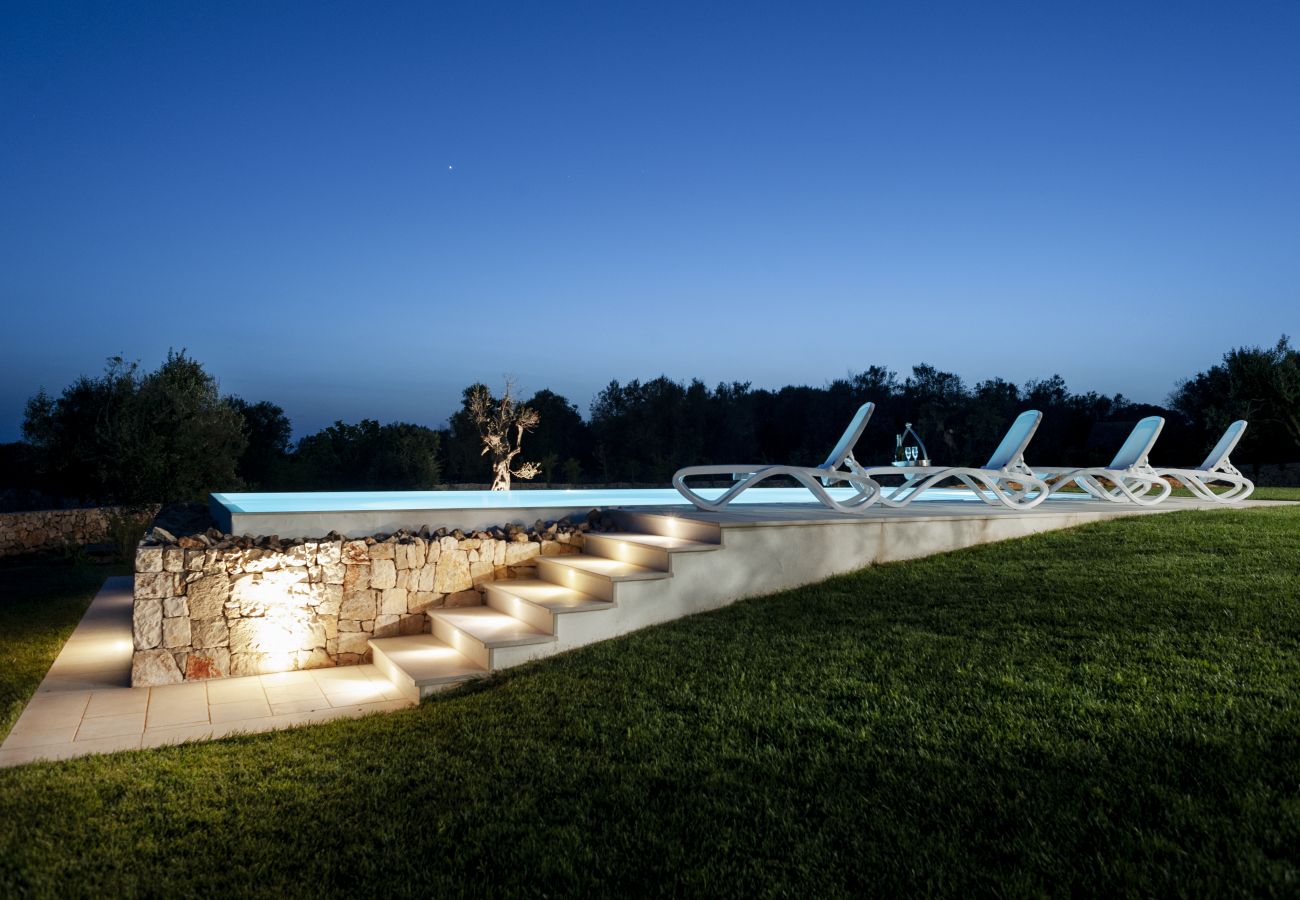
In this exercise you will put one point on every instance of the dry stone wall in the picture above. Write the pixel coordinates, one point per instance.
(51, 529)
(213, 605)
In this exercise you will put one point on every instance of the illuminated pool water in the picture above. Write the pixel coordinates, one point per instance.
(359, 513)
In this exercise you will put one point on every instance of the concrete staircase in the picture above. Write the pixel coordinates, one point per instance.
(657, 568)
(575, 600)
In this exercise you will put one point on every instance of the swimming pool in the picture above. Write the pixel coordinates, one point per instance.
(360, 513)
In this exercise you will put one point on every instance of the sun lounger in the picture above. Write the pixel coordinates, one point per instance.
(1004, 480)
(1217, 469)
(1130, 475)
(839, 468)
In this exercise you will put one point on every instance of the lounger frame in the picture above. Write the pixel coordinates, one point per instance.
(839, 468)
(1132, 478)
(1217, 469)
(1004, 481)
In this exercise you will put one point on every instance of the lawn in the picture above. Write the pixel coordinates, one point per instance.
(1111, 709)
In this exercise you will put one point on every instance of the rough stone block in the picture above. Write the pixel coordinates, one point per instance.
(453, 573)
(146, 624)
(150, 668)
(208, 633)
(173, 560)
(176, 633)
(149, 559)
(314, 659)
(383, 573)
(331, 600)
(353, 642)
(383, 550)
(176, 606)
(245, 664)
(356, 578)
(480, 571)
(393, 601)
(517, 553)
(213, 663)
(411, 624)
(156, 586)
(208, 595)
(425, 577)
(359, 605)
(386, 626)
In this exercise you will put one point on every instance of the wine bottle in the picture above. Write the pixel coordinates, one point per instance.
(898, 449)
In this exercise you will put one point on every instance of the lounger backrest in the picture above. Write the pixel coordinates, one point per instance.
(1223, 449)
(1138, 446)
(850, 436)
(1017, 439)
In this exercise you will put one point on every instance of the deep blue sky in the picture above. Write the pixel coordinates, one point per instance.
(355, 210)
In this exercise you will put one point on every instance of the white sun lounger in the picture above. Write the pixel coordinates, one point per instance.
(1004, 480)
(839, 467)
(1217, 468)
(1131, 474)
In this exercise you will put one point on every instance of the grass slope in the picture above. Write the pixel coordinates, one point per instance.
(1108, 709)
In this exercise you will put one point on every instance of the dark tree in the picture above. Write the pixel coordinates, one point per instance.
(135, 439)
(1259, 384)
(265, 460)
(368, 456)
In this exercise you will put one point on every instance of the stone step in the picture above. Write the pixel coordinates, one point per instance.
(649, 550)
(486, 635)
(667, 525)
(539, 602)
(421, 664)
(594, 575)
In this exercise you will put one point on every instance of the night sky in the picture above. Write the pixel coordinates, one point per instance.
(355, 210)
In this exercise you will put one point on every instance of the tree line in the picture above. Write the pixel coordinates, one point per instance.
(130, 436)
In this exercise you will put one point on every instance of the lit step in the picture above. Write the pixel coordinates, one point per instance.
(420, 664)
(539, 602)
(649, 550)
(669, 525)
(594, 575)
(482, 633)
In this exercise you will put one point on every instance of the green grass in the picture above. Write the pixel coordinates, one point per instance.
(1112, 709)
(1276, 493)
(41, 601)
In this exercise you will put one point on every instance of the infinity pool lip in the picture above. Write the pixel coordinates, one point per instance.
(361, 513)
(349, 501)
(354, 501)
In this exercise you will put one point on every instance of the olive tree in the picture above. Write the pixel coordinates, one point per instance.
(501, 425)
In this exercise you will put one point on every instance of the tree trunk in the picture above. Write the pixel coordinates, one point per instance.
(501, 475)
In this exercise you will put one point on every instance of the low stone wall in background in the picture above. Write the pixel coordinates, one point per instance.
(52, 529)
(214, 605)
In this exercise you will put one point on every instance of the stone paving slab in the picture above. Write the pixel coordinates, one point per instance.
(85, 703)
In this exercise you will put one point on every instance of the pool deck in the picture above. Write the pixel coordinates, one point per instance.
(85, 703)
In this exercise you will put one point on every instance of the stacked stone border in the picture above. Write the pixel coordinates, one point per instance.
(213, 605)
(53, 529)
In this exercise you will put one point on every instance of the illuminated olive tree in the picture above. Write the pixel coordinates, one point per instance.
(501, 426)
